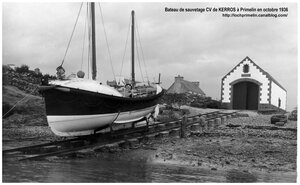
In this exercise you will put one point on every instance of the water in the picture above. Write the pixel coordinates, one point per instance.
(116, 170)
(97, 170)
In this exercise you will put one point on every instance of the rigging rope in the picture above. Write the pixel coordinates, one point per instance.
(125, 46)
(138, 58)
(107, 41)
(71, 35)
(138, 34)
(84, 35)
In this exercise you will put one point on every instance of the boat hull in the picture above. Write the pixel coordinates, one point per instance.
(75, 112)
(80, 125)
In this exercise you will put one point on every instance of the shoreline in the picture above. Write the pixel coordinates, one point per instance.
(234, 151)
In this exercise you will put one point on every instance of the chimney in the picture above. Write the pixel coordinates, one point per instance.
(196, 83)
(178, 78)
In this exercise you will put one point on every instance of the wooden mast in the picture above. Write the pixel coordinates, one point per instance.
(132, 50)
(94, 67)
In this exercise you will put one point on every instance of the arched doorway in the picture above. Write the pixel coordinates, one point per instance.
(245, 95)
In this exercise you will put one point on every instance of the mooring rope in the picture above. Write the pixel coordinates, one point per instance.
(17, 103)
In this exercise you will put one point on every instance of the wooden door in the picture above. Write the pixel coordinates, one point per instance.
(245, 96)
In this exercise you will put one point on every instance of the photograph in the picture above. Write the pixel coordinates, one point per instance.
(149, 92)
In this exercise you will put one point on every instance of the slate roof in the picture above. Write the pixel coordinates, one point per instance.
(184, 86)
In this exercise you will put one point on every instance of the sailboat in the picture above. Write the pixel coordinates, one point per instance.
(78, 106)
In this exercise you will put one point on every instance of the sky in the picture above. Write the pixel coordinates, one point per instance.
(200, 46)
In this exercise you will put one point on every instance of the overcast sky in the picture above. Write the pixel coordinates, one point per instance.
(199, 46)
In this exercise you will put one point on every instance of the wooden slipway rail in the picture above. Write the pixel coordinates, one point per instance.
(123, 137)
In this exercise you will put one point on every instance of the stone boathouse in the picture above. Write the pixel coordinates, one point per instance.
(249, 87)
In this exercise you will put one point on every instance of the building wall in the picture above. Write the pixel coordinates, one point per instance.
(176, 86)
(278, 93)
(254, 74)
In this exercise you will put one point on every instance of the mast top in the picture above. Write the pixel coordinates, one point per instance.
(94, 67)
(132, 49)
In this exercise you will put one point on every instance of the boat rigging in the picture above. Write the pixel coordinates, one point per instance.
(77, 106)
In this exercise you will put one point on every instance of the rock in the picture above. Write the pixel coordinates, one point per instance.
(238, 176)
(241, 115)
(214, 169)
(271, 151)
(195, 154)
(278, 118)
(279, 123)
(232, 125)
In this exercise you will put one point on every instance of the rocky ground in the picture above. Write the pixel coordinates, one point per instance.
(243, 146)
(239, 153)
(233, 147)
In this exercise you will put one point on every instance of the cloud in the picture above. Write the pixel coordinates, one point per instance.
(199, 46)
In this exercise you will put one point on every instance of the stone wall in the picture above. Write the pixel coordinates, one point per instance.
(263, 107)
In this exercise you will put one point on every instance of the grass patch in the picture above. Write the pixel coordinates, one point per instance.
(29, 111)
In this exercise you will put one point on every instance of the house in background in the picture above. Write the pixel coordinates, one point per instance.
(248, 87)
(37, 71)
(183, 86)
(12, 66)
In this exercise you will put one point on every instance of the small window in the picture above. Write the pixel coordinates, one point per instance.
(246, 68)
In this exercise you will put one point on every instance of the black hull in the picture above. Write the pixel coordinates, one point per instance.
(61, 101)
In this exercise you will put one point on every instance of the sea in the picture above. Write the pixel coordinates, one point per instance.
(84, 170)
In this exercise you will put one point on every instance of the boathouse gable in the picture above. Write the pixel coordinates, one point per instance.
(247, 86)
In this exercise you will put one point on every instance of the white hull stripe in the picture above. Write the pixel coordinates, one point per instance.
(86, 124)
